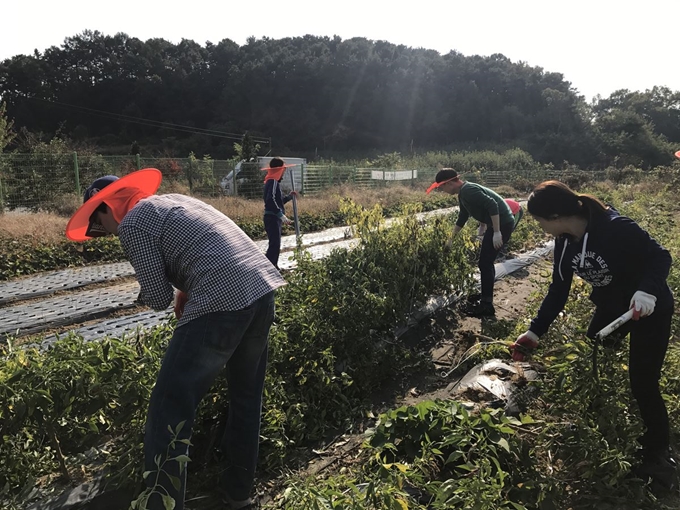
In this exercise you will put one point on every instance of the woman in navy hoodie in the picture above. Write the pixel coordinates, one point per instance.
(274, 212)
(627, 269)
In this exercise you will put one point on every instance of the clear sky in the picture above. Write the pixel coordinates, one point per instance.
(599, 45)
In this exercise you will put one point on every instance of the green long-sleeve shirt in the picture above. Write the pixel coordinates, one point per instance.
(481, 203)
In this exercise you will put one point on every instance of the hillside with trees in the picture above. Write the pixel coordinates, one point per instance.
(324, 97)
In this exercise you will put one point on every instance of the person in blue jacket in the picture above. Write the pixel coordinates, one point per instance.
(274, 212)
(627, 269)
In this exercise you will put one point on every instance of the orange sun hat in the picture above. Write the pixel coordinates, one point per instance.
(276, 172)
(80, 228)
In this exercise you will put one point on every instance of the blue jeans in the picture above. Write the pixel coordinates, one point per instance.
(197, 353)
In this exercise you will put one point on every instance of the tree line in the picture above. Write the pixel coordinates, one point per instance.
(325, 96)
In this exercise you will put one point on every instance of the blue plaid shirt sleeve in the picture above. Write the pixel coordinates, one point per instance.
(143, 252)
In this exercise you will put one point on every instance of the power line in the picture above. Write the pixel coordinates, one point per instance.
(152, 123)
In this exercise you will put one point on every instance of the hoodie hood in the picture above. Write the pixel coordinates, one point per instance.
(596, 224)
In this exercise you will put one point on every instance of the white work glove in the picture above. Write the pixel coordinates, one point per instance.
(523, 346)
(497, 240)
(481, 230)
(642, 304)
(285, 220)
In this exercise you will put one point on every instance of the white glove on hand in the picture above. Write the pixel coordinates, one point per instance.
(481, 230)
(285, 220)
(497, 240)
(525, 343)
(642, 304)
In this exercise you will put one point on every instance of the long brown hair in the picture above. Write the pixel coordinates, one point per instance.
(553, 199)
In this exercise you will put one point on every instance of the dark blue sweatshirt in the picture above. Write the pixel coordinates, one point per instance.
(617, 258)
(274, 199)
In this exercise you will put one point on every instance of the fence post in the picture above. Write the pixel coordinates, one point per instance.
(2, 197)
(138, 162)
(302, 179)
(189, 176)
(76, 172)
(233, 179)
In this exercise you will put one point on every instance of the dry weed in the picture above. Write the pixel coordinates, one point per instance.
(43, 228)
(49, 228)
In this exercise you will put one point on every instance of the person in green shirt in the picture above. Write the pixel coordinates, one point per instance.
(487, 207)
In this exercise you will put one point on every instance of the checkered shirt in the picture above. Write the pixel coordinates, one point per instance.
(175, 240)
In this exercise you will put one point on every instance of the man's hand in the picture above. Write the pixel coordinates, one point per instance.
(497, 240)
(285, 220)
(481, 230)
(181, 299)
(524, 345)
(642, 304)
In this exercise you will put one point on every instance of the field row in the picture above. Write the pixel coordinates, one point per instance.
(83, 300)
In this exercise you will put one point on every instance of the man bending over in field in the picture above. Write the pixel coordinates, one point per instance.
(224, 307)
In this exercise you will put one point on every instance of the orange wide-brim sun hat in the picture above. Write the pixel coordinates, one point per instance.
(277, 171)
(147, 180)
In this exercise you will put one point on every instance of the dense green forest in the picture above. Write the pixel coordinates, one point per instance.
(324, 97)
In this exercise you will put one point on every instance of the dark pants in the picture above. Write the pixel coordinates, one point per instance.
(648, 343)
(197, 353)
(487, 257)
(272, 225)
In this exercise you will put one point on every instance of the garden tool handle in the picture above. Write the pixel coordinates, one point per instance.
(614, 325)
(296, 221)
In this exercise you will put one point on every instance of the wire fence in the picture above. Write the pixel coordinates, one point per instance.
(55, 182)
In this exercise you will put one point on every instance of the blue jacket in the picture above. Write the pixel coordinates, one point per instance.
(274, 199)
(617, 258)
